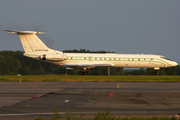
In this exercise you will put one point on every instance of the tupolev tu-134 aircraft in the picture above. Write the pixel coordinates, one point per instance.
(35, 48)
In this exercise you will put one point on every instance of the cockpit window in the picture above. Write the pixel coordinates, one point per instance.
(163, 57)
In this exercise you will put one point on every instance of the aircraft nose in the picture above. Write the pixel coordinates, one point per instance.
(175, 64)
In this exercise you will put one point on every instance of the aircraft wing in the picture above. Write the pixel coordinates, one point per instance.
(86, 65)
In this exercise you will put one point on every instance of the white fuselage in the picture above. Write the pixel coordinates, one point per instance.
(112, 60)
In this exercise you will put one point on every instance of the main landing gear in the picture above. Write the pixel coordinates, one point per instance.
(85, 72)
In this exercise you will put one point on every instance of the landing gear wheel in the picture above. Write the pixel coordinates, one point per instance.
(85, 73)
(81, 73)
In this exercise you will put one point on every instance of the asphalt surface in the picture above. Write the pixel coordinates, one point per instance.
(30, 100)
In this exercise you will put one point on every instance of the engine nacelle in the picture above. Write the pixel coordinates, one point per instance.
(53, 57)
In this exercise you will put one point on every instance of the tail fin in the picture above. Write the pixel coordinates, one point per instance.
(30, 42)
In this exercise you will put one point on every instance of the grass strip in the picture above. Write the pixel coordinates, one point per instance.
(89, 78)
(99, 116)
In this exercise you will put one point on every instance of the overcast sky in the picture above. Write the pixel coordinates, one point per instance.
(127, 26)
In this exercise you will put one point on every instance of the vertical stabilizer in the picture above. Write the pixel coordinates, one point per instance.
(31, 43)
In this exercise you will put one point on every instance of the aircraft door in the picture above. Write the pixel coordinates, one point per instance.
(151, 61)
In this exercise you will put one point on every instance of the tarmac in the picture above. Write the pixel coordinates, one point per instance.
(30, 100)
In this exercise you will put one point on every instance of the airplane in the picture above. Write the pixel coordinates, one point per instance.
(36, 49)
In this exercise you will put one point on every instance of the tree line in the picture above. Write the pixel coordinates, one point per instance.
(13, 63)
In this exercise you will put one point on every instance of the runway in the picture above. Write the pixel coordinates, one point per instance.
(29, 100)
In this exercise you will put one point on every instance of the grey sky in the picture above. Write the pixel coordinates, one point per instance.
(127, 26)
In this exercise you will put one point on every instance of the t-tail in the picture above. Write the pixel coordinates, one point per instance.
(30, 42)
(35, 48)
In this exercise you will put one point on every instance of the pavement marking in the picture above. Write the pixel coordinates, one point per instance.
(39, 96)
(66, 100)
(110, 95)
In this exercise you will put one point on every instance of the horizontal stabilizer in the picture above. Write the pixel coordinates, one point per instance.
(24, 32)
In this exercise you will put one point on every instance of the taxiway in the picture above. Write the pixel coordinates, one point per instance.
(30, 100)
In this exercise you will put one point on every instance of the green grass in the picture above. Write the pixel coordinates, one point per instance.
(99, 116)
(89, 78)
